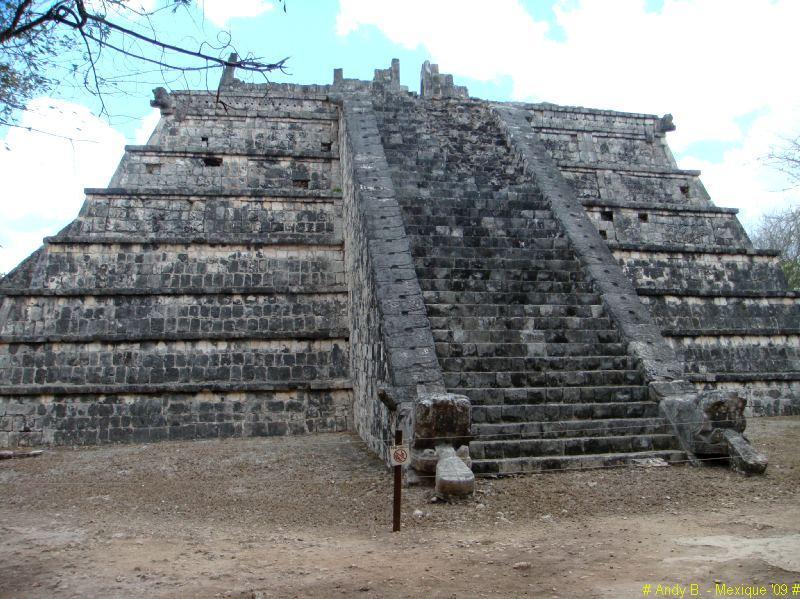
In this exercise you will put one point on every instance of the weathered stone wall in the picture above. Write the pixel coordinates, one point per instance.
(605, 184)
(742, 314)
(766, 394)
(708, 272)
(368, 366)
(746, 353)
(60, 365)
(295, 219)
(247, 100)
(658, 226)
(89, 419)
(184, 268)
(602, 148)
(391, 342)
(604, 122)
(226, 316)
(203, 295)
(153, 168)
(251, 135)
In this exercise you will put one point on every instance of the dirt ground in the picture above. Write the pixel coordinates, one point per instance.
(310, 517)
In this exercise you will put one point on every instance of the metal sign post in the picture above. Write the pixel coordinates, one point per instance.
(399, 456)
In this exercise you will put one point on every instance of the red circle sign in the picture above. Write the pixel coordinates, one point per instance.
(400, 455)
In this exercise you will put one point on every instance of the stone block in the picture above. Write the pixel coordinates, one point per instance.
(453, 478)
(744, 457)
(441, 418)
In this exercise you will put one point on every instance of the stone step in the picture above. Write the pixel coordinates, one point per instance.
(453, 208)
(454, 350)
(437, 183)
(546, 298)
(571, 429)
(459, 285)
(515, 448)
(555, 270)
(452, 197)
(512, 221)
(519, 234)
(514, 310)
(524, 465)
(481, 241)
(509, 323)
(497, 396)
(535, 259)
(554, 378)
(550, 337)
(547, 249)
(516, 327)
(536, 364)
(558, 412)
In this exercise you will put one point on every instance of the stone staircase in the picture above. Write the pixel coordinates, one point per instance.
(517, 327)
(722, 305)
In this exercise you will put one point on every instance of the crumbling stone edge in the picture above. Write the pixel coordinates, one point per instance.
(694, 416)
(393, 358)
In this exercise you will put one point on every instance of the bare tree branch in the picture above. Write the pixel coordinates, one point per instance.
(786, 160)
(49, 133)
(17, 18)
(39, 37)
(780, 230)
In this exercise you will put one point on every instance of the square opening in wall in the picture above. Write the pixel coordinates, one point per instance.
(152, 169)
(326, 146)
(643, 217)
(603, 233)
(300, 184)
(212, 160)
(607, 215)
(685, 190)
(204, 140)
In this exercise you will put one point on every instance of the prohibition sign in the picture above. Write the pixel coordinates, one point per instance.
(399, 455)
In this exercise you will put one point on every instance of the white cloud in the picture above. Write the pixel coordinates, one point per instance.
(44, 174)
(220, 12)
(146, 127)
(18, 245)
(742, 179)
(708, 62)
(144, 5)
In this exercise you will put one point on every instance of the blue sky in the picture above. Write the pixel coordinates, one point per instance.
(723, 68)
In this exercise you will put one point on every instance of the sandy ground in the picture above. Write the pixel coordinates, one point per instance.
(310, 517)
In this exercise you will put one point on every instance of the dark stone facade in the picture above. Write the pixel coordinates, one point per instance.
(311, 258)
(202, 294)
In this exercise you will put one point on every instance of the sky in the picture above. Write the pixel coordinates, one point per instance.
(723, 68)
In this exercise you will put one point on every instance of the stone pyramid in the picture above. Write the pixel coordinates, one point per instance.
(284, 259)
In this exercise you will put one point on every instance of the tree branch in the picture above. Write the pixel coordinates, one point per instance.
(145, 59)
(246, 65)
(16, 19)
